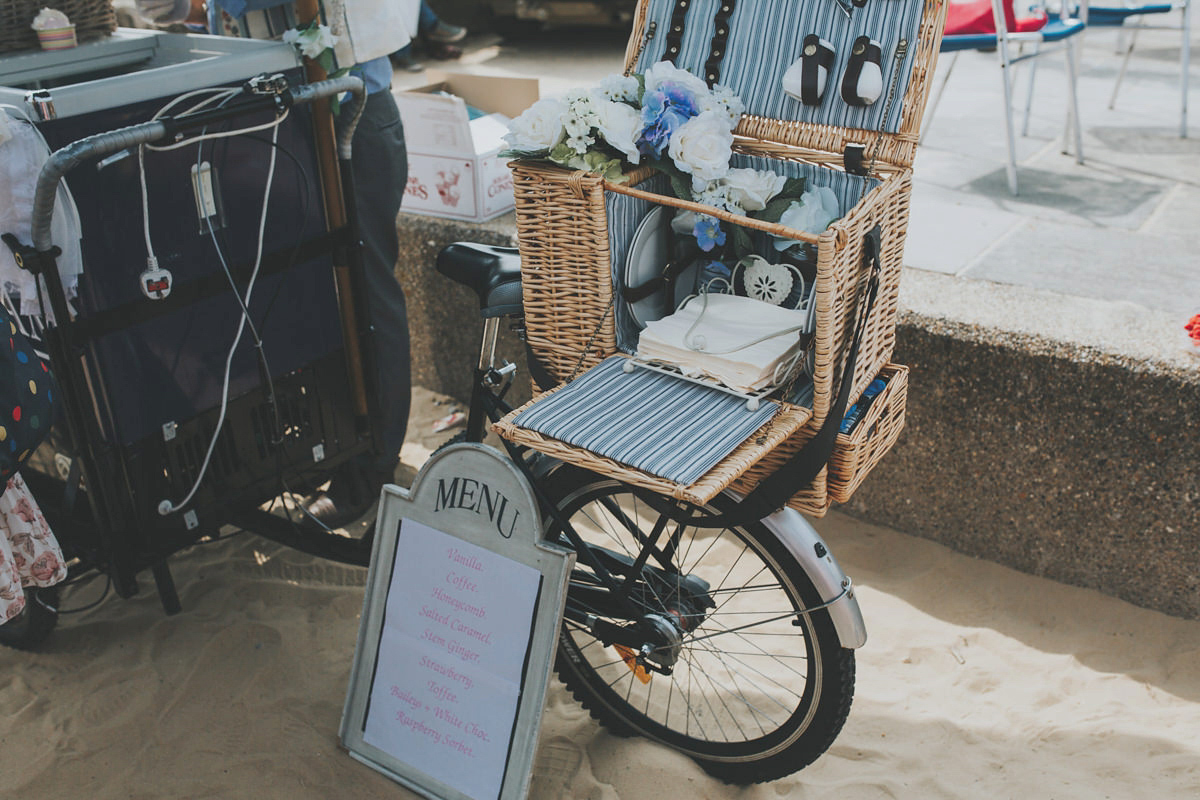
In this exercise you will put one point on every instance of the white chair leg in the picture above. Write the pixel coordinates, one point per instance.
(1006, 78)
(937, 98)
(1074, 121)
(1033, 65)
(1112, 101)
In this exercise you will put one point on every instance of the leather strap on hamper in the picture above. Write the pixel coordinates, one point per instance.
(674, 39)
(800, 470)
(716, 51)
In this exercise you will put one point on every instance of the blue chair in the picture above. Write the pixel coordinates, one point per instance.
(1057, 31)
(1131, 18)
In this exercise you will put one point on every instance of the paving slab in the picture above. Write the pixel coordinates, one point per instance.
(1156, 272)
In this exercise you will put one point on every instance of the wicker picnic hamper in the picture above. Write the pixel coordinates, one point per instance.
(92, 19)
(570, 240)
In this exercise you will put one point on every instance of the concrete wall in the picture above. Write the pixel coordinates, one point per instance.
(443, 316)
(1074, 466)
(1053, 434)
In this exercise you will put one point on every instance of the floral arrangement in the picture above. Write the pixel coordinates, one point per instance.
(314, 41)
(671, 120)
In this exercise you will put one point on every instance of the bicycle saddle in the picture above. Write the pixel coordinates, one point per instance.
(493, 272)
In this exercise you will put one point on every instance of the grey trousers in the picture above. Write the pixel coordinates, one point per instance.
(379, 164)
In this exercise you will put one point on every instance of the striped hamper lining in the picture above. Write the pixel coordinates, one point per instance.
(659, 424)
(767, 36)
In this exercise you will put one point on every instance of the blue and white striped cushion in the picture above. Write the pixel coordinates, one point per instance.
(657, 423)
(766, 37)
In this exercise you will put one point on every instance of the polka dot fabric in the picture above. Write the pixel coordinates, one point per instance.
(28, 394)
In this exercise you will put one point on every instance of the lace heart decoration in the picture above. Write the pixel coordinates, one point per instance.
(770, 283)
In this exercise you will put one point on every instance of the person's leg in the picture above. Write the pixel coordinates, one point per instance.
(432, 29)
(380, 169)
(426, 18)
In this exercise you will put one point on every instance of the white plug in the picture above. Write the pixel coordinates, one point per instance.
(165, 507)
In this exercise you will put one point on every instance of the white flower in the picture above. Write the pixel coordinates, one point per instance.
(620, 125)
(702, 146)
(722, 100)
(752, 189)
(619, 88)
(715, 194)
(580, 142)
(812, 213)
(539, 127)
(311, 42)
(575, 125)
(665, 71)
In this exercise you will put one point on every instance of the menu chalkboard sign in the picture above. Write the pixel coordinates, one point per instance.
(458, 631)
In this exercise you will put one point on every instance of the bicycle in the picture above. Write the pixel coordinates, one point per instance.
(720, 633)
(726, 632)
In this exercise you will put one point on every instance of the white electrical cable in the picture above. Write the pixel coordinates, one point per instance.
(165, 506)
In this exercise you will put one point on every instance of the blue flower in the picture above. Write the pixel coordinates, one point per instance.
(708, 233)
(656, 136)
(714, 270)
(679, 98)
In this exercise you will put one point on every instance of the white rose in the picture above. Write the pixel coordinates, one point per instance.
(702, 146)
(752, 189)
(620, 125)
(666, 71)
(812, 213)
(539, 127)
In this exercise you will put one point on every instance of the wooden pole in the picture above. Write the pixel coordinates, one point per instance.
(335, 215)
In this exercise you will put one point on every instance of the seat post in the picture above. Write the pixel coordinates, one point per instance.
(487, 348)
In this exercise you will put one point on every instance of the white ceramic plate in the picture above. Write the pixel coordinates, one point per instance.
(649, 253)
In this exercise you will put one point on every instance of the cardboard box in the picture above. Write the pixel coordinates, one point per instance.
(454, 169)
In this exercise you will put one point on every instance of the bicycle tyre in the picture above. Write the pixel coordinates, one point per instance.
(761, 742)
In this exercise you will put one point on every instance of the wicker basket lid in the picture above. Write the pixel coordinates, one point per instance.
(757, 40)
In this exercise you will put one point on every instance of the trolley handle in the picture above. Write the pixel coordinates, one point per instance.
(261, 93)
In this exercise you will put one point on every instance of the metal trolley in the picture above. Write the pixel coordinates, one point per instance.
(152, 453)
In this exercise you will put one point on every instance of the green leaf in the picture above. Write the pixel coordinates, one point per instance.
(530, 154)
(794, 187)
(774, 209)
(561, 153)
(743, 245)
(326, 60)
(681, 182)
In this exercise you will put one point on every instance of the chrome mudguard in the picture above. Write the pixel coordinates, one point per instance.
(802, 540)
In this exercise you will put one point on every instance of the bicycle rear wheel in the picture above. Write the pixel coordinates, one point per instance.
(756, 691)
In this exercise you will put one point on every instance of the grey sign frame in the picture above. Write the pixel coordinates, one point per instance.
(518, 537)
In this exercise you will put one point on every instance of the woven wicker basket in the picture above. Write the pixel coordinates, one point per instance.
(860, 450)
(92, 19)
(563, 232)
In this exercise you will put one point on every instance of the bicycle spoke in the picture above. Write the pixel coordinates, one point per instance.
(721, 654)
(703, 673)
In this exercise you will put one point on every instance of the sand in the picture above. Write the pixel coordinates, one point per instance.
(976, 682)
